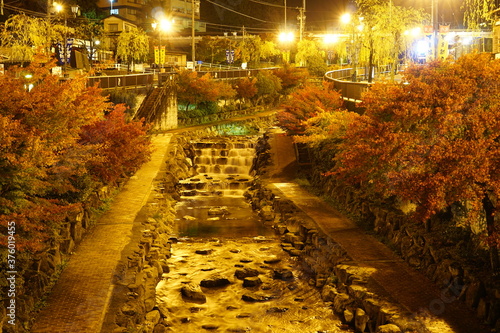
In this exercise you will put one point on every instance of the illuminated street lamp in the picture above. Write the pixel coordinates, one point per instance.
(59, 8)
(355, 29)
(162, 26)
(328, 41)
(286, 38)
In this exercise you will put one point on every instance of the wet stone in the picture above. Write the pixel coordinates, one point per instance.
(193, 292)
(245, 272)
(244, 315)
(252, 281)
(272, 260)
(214, 281)
(256, 297)
(204, 251)
(283, 274)
(210, 327)
(277, 310)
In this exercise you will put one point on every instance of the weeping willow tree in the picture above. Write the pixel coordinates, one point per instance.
(132, 46)
(22, 36)
(477, 13)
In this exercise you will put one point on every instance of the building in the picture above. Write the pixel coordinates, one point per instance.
(142, 14)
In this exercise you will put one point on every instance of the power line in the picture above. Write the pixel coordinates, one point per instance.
(236, 12)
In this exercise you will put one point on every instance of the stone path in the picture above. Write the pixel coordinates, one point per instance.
(408, 287)
(79, 299)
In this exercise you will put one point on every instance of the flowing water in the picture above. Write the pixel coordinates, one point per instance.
(219, 233)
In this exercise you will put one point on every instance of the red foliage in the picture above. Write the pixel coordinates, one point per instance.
(123, 146)
(306, 103)
(434, 140)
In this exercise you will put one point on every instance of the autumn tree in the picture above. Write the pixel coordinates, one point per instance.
(268, 87)
(44, 166)
(291, 77)
(132, 46)
(193, 90)
(311, 56)
(212, 49)
(306, 103)
(22, 36)
(120, 143)
(433, 140)
(245, 89)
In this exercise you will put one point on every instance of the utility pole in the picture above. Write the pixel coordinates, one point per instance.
(192, 35)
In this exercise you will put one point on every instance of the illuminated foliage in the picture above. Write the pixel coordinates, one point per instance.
(133, 46)
(433, 140)
(43, 160)
(306, 103)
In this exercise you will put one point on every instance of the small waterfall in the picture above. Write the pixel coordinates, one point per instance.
(223, 168)
(212, 203)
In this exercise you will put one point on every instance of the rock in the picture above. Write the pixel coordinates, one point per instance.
(360, 320)
(160, 328)
(283, 274)
(277, 310)
(214, 281)
(210, 327)
(204, 251)
(389, 328)
(245, 272)
(153, 316)
(328, 293)
(348, 316)
(256, 298)
(252, 281)
(272, 260)
(341, 302)
(218, 211)
(193, 292)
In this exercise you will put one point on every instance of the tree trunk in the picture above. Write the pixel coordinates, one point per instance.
(489, 210)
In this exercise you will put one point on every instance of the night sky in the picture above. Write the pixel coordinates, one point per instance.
(320, 14)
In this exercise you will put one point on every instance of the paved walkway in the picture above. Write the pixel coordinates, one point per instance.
(409, 288)
(79, 299)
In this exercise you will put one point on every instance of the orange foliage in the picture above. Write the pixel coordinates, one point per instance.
(433, 140)
(306, 103)
(41, 152)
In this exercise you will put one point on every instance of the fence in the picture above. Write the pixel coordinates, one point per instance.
(129, 80)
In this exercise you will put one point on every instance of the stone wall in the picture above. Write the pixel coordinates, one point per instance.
(37, 273)
(343, 285)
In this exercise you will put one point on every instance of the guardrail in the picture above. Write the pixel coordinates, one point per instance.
(351, 91)
(129, 80)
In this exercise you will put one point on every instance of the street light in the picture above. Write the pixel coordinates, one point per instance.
(59, 8)
(286, 38)
(230, 53)
(163, 25)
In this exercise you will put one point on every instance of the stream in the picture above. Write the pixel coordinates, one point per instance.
(228, 272)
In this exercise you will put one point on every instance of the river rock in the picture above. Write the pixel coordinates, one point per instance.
(210, 327)
(252, 281)
(245, 272)
(283, 274)
(193, 292)
(272, 260)
(214, 281)
(218, 211)
(204, 251)
(389, 328)
(360, 320)
(256, 297)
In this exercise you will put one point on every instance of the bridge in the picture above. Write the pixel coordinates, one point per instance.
(159, 108)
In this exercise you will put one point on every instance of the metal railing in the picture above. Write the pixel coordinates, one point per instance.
(129, 80)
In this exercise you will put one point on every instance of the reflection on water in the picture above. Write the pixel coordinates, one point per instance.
(195, 218)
